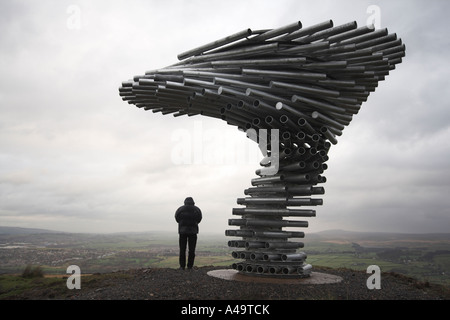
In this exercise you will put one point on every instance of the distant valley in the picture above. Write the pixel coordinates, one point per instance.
(422, 256)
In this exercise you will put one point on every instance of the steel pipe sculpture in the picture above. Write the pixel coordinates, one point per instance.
(293, 90)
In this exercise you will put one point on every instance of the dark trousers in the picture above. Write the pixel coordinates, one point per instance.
(191, 241)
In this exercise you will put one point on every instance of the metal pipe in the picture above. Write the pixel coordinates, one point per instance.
(301, 256)
(265, 190)
(279, 234)
(327, 120)
(274, 212)
(387, 45)
(327, 133)
(306, 126)
(244, 255)
(239, 233)
(250, 268)
(283, 201)
(260, 62)
(304, 269)
(283, 106)
(274, 269)
(284, 245)
(215, 44)
(262, 269)
(274, 124)
(365, 37)
(238, 96)
(236, 254)
(305, 48)
(326, 65)
(289, 270)
(329, 32)
(263, 223)
(265, 95)
(256, 256)
(255, 244)
(264, 108)
(236, 244)
(305, 89)
(202, 83)
(271, 74)
(210, 74)
(298, 178)
(252, 51)
(296, 166)
(275, 223)
(239, 84)
(376, 41)
(308, 31)
(318, 104)
(272, 257)
(279, 31)
(265, 180)
(350, 34)
(287, 122)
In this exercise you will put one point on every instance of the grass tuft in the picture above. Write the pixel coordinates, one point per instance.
(31, 272)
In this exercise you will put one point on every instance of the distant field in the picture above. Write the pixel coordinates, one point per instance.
(425, 257)
(421, 258)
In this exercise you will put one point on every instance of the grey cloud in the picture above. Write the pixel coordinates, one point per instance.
(74, 156)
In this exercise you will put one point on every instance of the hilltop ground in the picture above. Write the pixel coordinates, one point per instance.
(173, 284)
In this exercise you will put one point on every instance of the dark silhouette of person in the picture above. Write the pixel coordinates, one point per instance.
(188, 217)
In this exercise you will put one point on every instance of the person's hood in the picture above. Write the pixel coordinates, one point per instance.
(189, 201)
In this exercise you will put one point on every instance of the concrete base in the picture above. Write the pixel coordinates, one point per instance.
(314, 278)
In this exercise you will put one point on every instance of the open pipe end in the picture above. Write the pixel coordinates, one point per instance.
(260, 269)
(273, 270)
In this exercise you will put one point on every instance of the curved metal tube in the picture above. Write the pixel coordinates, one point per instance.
(218, 43)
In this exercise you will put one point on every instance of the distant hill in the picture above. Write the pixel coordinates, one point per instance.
(373, 235)
(18, 230)
(335, 234)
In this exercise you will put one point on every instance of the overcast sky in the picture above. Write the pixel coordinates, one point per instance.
(75, 157)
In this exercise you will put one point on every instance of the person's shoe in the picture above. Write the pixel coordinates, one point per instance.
(180, 268)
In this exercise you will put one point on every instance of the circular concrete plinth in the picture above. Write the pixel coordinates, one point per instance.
(314, 278)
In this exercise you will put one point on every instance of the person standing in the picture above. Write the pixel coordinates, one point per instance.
(188, 217)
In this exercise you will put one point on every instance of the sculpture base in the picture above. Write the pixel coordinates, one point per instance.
(314, 278)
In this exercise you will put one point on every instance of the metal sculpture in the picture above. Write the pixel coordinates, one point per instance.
(293, 90)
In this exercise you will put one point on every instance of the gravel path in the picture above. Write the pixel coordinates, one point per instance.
(173, 284)
(176, 294)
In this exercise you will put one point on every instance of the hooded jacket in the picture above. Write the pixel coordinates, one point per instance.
(188, 217)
